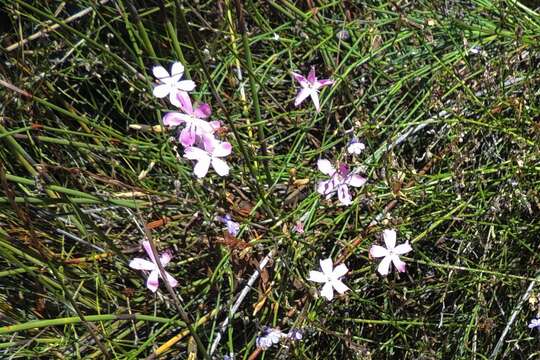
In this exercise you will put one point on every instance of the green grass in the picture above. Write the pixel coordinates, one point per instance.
(452, 156)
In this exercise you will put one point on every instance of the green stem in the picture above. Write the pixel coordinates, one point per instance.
(90, 318)
(254, 92)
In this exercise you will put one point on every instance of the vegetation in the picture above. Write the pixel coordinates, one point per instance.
(444, 95)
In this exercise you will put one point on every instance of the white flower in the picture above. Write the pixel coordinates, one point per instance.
(535, 323)
(213, 151)
(330, 277)
(390, 253)
(355, 147)
(171, 84)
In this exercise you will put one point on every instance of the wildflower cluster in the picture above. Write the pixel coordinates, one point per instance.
(198, 134)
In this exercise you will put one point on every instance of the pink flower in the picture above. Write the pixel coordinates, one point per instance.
(390, 253)
(310, 87)
(171, 84)
(330, 277)
(141, 264)
(299, 227)
(193, 120)
(339, 181)
(213, 151)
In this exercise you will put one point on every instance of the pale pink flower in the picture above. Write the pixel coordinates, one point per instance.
(390, 253)
(193, 120)
(170, 84)
(213, 151)
(330, 277)
(310, 87)
(339, 181)
(141, 264)
(299, 227)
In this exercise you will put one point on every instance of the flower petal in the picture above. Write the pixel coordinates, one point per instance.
(356, 180)
(220, 166)
(233, 227)
(356, 148)
(339, 271)
(222, 149)
(152, 283)
(327, 266)
(312, 76)
(317, 276)
(179, 97)
(165, 258)
(141, 264)
(203, 160)
(301, 96)
(377, 251)
(339, 286)
(174, 119)
(203, 111)
(160, 91)
(300, 78)
(160, 72)
(148, 249)
(215, 125)
(315, 98)
(389, 237)
(384, 266)
(201, 168)
(325, 82)
(185, 85)
(185, 102)
(177, 69)
(172, 281)
(402, 249)
(328, 291)
(194, 153)
(187, 137)
(343, 194)
(325, 167)
(326, 188)
(400, 265)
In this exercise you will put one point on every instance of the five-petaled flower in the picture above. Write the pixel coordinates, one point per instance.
(330, 277)
(535, 323)
(171, 84)
(390, 253)
(193, 120)
(339, 181)
(310, 87)
(153, 279)
(213, 151)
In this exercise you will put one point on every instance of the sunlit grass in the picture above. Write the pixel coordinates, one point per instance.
(443, 94)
